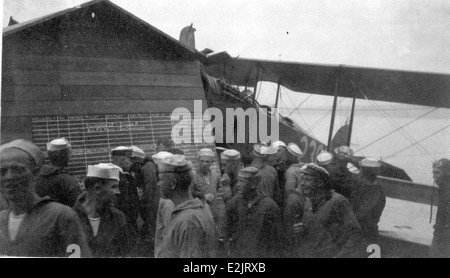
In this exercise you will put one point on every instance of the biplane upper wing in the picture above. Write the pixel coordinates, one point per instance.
(419, 88)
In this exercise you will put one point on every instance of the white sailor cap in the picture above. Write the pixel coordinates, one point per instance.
(58, 144)
(294, 149)
(176, 163)
(278, 144)
(104, 171)
(206, 152)
(230, 154)
(137, 152)
(370, 163)
(160, 156)
(31, 149)
(324, 158)
(261, 150)
(248, 172)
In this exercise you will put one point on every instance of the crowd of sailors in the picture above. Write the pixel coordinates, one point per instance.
(160, 205)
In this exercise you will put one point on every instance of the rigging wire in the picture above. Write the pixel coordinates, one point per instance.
(295, 109)
(434, 133)
(316, 123)
(384, 136)
(407, 135)
(307, 126)
(395, 124)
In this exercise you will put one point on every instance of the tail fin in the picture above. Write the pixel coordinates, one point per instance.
(341, 137)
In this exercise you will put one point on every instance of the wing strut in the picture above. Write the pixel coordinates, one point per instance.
(256, 83)
(333, 113)
(278, 93)
(350, 127)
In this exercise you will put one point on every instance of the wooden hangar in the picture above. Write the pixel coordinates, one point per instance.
(98, 76)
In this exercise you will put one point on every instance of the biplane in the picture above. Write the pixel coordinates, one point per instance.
(102, 77)
(407, 198)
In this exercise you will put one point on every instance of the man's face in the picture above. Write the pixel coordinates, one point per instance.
(16, 174)
(245, 186)
(437, 174)
(310, 186)
(229, 167)
(123, 161)
(281, 154)
(205, 163)
(109, 191)
(165, 183)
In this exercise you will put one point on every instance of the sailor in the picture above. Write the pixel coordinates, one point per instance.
(329, 227)
(269, 177)
(230, 166)
(371, 200)
(54, 180)
(106, 228)
(33, 226)
(253, 220)
(440, 247)
(150, 195)
(205, 182)
(191, 232)
(163, 212)
(128, 200)
(281, 165)
(293, 174)
(294, 205)
(343, 181)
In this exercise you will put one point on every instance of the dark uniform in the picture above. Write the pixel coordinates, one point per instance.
(115, 238)
(128, 199)
(370, 205)
(331, 229)
(292, 214)
(440, 246)
(148, 178)
(254, 232)
(47, 230)
(58, 184)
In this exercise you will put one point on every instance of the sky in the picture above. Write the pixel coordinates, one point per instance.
(407, 35)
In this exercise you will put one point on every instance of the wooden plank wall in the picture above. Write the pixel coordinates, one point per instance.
(48, 85)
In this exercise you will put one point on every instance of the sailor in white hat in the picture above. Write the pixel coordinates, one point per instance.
(292, 175)
(344, 240)
(280, 156)
(150, 199)
(59, 151)
(206, 181)
(230, 164)
(54, 179)
(105, 226)
(269, 177)
(128, 201)
(371, 199)
(326, 159)
(253, 238)
(29, 226)
(192, 230)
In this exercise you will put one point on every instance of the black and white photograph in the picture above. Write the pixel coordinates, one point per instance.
(252, 129)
